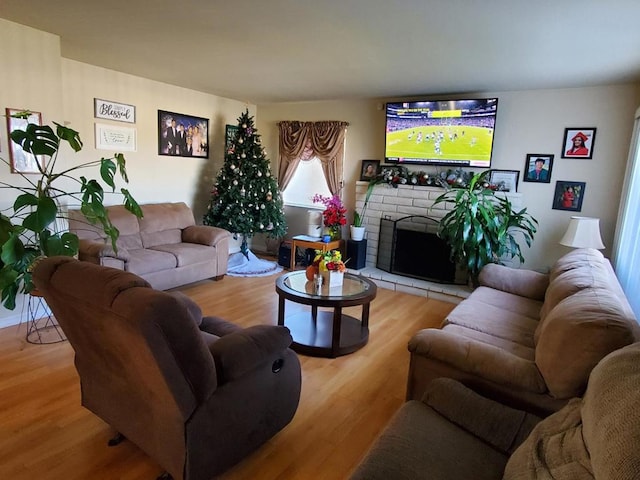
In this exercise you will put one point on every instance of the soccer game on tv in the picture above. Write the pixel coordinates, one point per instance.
(444, 132)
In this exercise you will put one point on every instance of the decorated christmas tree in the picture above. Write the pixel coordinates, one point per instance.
(245, 199)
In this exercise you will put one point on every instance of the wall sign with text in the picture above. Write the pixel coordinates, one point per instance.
(120, 112)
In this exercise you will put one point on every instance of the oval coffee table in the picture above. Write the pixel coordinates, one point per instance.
(326, 333)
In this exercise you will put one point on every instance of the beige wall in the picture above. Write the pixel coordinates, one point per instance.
(34, 76)
(528, 122)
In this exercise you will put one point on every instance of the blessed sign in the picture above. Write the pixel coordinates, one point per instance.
(114, 111)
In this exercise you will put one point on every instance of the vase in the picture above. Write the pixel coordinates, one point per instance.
(335, 232)
(357, 233)
(332, 278)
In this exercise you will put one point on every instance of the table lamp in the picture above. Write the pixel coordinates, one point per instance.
(583, 232)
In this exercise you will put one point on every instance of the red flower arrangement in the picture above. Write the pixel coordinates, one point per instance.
(334, 212)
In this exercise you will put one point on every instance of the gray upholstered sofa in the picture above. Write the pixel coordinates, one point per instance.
(454, 433)
(196, 393)
(165, 246)
(528, 339)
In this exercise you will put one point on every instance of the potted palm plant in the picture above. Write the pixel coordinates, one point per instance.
(33, 228)
(481, 227)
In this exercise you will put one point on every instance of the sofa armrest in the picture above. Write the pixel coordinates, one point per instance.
(480, 359)
(240, 352)
(204, 235)
(503, 427)
(523, 282)
(99, 249)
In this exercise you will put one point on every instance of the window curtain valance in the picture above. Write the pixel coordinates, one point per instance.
(305, 140)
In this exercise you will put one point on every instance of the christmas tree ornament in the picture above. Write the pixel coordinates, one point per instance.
(240, 140)
(235, 183)
(259, 174)
(243, 155)
(244, 125)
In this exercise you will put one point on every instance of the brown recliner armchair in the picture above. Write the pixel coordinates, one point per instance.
(197, 394)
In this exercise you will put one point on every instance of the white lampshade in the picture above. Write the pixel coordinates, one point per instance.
(583, 232)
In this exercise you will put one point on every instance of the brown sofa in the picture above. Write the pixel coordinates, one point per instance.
(528, 339)
(196, 393)
(454, 433)
(165, 246)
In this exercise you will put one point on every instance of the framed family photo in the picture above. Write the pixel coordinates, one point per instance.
(182, 135)
(538, 167)
(568, 195)
(21, 161)
(369, 169)
(578, 143)
(504, 180)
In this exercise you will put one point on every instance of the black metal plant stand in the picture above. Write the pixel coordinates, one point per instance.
(42, 330)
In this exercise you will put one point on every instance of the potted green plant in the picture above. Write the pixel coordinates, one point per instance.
(481, 227)
(33, 228)
(357, 228)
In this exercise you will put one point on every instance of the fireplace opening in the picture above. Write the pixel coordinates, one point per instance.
(411, 247)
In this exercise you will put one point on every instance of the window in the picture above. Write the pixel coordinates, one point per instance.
(307, 180)
(626, 245)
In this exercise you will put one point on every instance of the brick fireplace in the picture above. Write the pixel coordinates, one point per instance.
(393, 204)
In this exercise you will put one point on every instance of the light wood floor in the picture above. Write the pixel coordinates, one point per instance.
(345, 402)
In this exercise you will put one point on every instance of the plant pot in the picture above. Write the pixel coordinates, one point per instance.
(357, 233)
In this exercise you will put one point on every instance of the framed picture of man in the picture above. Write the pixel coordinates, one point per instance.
(568, 195)
(578, 143)
(538, 167)
(369, 169)
(181, 135)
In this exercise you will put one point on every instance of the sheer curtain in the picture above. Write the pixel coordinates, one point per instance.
(626, 243)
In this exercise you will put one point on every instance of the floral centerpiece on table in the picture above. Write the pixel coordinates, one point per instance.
(331, 260)
(334, 214)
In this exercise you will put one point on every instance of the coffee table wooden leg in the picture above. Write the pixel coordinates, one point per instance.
(335, 333)
(281, 311)
(365, 315)
(293, 255)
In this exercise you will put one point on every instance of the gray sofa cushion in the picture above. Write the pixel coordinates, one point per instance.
(146, 260)
(185, 253)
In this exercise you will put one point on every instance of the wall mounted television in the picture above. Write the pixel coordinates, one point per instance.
(441, 132)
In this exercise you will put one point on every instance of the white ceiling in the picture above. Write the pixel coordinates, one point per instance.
(262, 51)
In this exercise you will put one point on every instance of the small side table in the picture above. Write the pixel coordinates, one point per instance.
(309, 242)
(41, 330)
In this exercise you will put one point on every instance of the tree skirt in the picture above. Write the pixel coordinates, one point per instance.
(240, 266)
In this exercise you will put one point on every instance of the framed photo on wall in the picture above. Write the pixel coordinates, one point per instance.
(504, 180)
(369, 169)
(21, 161)
(568, 195)
(538, 167)
(578, 143)
(181, 135)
